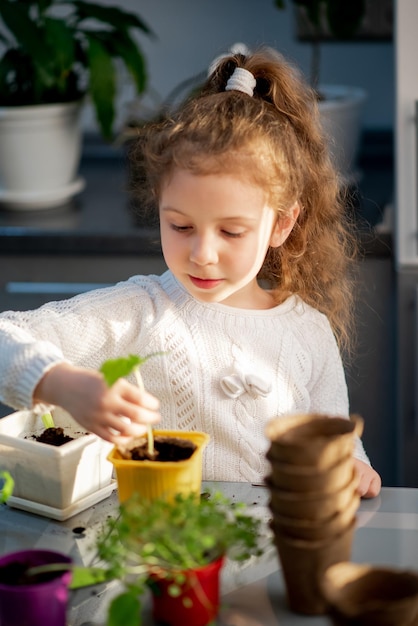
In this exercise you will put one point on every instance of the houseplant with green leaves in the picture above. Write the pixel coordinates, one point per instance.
(176, 549)
(60, 50)
(57, 54)
(173, 550)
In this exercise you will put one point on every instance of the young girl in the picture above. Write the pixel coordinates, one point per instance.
(256, 301)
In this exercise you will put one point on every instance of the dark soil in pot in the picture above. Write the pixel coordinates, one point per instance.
(165, 449)
(53, 436)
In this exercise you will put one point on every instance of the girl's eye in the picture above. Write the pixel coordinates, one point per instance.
(232, 235)
(179, 229)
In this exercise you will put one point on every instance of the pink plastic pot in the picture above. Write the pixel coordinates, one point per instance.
(198, 603)
(39, 604)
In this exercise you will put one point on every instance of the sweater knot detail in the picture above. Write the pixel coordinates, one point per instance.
(237, 382)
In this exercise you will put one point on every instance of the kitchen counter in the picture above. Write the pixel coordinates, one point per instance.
(101, 220)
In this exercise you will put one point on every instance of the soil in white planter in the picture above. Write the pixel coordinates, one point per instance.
(55, 481)
(54, 436)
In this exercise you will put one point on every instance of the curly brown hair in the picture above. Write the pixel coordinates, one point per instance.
(273, 140)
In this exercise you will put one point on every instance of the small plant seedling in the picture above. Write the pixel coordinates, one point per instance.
(113, 369)
(80, 576)
(6, 486)
(48, 420)
(163, 539)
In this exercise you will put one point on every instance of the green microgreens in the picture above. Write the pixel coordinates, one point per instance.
(167, 538)
(163, 538)
(48, 420)
(6, 489)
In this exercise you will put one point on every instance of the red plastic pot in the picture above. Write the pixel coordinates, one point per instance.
(38, 604)
(198, 602)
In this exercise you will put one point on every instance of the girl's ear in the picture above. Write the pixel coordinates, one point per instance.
(284, 225)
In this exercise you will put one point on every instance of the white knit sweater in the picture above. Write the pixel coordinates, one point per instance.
(227, 371)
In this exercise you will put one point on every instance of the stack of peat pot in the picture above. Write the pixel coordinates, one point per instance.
(313, 500)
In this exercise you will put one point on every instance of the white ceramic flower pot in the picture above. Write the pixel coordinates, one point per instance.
(341, 112)
(56, 482)
(40, 151)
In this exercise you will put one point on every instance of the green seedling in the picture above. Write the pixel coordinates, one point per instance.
(80, 576)
(167, 538)
(6, 486)
(113, 369)
(48, 420)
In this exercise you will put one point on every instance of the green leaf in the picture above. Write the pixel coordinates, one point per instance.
(87, 576)
(24, 29)
(128, 50)
(12, 12)
(113, 369)
(61, 38)
(124, 610)
(102, 84)
(48, 420)
(7, 488)
(113, 16)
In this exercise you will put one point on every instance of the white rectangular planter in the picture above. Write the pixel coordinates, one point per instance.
(54, 481)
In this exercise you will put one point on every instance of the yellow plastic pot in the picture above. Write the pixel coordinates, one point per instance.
(155, 479)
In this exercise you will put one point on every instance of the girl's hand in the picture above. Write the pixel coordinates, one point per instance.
(109, 412)
(370, 481)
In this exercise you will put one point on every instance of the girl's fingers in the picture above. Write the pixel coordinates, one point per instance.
(122, 425)
(136, 414)
(138, 406)
(132, 394)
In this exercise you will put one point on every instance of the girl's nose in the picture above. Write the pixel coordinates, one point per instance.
(203, 250)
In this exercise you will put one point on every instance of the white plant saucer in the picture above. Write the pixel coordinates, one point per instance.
(32, 200)
(69, 511)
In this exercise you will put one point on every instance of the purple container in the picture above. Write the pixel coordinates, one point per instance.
(39, 604)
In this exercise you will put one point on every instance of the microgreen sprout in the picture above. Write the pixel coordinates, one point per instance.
(166, 538)
(6, 486)
(113, 369)
(48, 420)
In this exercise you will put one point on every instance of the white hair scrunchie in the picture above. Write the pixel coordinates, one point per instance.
(241, 80)
(236, 48)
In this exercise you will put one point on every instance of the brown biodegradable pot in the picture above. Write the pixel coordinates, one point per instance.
(303, 564)
(313, 505)
(303, 478)
(367, 595)
(316, 529)
(312, 438)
